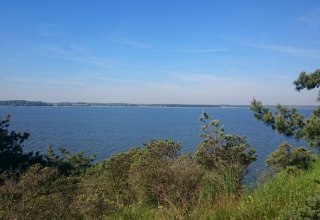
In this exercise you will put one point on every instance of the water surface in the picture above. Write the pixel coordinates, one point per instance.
(107, 130)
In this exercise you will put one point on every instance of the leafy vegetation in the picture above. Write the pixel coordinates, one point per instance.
(286, 156)
(288, 121)
(12, 158)
(278, 198)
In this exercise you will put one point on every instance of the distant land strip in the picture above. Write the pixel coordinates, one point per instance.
(87, 104)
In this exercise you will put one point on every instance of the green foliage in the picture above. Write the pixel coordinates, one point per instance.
(40, 193)
(160, 149)
(227, 155)
(69, 164)
(285, 121)
(286, 156)
(105, 189)
(12, 158)
(288, 121)
(308, 81)
(309, 211)
(275, 199)
(153, 176)
(162, 177)
(117, 169)
(311, 130)
(172, 183)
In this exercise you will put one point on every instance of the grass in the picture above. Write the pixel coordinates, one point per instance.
(285, 191)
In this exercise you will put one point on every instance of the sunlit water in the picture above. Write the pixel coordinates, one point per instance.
(107, 130)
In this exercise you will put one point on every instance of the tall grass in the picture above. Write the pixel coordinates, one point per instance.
(270, 200)
(286, 191)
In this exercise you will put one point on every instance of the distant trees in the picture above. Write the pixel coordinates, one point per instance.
(23, 103)
(289, 122)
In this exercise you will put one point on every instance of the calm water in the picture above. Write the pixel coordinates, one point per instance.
(107, 130)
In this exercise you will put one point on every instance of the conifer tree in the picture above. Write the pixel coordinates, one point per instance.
(288, 121)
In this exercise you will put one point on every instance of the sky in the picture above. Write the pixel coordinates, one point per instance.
(158, 51)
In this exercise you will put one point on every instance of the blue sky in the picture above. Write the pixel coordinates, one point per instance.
(164, 51)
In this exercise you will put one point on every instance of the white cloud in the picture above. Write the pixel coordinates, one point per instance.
(303, 52)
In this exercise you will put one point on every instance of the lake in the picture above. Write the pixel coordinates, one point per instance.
(107, 130)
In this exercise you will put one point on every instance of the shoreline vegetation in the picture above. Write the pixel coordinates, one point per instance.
(158, 181)
(89, 104)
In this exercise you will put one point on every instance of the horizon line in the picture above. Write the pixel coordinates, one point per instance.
(79, 103)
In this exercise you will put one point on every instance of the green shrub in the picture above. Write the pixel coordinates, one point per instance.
(152, 168)
(286, 156)
(105, 188)
(68, 164)
(162, 178)
(226, 155)
(13, 161)
(40, 193)
(308, 211)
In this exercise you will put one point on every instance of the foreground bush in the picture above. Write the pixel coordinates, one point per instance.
(172, 182)
(286, 156)
(105, 188)
(226, 155)
(40, 193)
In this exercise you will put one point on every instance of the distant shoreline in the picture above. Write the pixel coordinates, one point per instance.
(87, 104)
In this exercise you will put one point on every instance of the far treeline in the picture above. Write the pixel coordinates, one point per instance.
(157, 181)
(88, 104)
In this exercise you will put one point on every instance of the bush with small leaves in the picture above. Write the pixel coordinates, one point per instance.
(105, 188)
(151, 168)
(13, 160)
(309, 211)
(227, 155)
(286, 156)
(40, 193)
(68, 164)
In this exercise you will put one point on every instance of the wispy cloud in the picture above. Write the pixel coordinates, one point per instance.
(103, 79)
(47, 30)
(192, 77)
(312, 19)
(203, 50)
(134, 43)
(304, 52)
(44, 81)
(124, 38)
(75, 53)
(18, 79)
